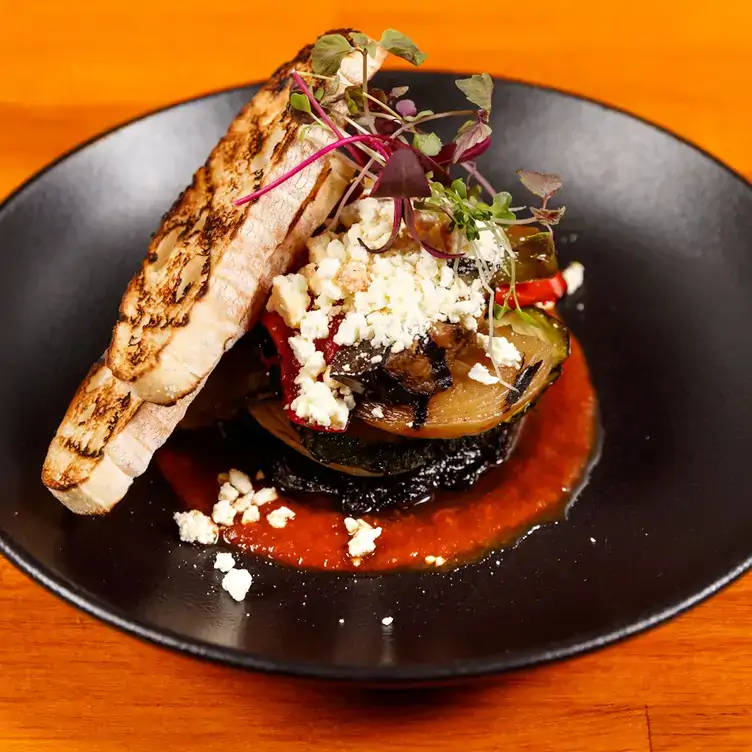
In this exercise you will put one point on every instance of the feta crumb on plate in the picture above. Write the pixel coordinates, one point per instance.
(224, 513)
(251, 515)
(362, 537)
(387, 621)
(224, 562)
(265, 495)
(280, 517)
(237, 582)
(196, 527)
(228, 492)
(377, 412)
(240, 481)
(482, 375)
(574, 276)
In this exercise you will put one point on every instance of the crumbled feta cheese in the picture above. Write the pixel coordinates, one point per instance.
(280, 517)
(377, 412)
(481, 374)
(314, 325)
(302, 349)
(224, 562)
(312, 368)
(251, 515)
(388, 299)
(241, 481)
(435, 560)
(224, 512)
(228, 492)
(237, 582)
(410, 424)
(243, 502)
(574, 276)
(196, 527)
(289, 298)
(316, 402)
(265, 495)
(362, 537)
(387, 621)
(501, 351)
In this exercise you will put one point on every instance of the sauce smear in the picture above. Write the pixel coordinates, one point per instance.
(549, 461)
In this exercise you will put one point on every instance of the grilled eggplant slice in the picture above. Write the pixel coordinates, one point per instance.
(469, 407)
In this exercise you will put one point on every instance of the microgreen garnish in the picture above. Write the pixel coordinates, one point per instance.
(428, 143)
(478, 89)
(328, 53)
(390, 141)
(401, 45)
(402, 176)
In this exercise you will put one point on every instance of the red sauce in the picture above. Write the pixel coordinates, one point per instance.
(550, 460)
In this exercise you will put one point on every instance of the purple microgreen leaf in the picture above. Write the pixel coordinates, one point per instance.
(548, 216)
(428, 143)
(478, 89)
(540, 183)
(328, 52)
(300, 102)
(471, 141)
(444, 157)
(402, 46)
(399, 91)
(406, 108)
(396, 224)
(413, 230)
(402, 176)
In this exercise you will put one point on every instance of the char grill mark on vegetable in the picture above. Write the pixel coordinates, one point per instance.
(522, 382)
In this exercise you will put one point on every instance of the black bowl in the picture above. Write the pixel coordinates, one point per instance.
(665, 233)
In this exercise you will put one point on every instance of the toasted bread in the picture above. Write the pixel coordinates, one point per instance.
(205, 272)
(204, 282)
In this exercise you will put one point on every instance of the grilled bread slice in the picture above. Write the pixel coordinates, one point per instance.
(205, 274)
(110, 432)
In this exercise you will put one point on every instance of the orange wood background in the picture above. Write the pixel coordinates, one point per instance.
(69, 70)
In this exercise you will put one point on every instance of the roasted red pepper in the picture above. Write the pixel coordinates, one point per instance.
(289, 367)
(536, 291)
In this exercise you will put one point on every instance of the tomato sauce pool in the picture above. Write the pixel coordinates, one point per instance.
(549, 463)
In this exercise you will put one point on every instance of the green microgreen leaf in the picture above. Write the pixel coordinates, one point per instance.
(429, 143)
(354, 99)
(478, 89)
(328, 52)
(300, 102)
(500, 207)
(401, 45)
(459, 187)
(319, 94)
(359, 38)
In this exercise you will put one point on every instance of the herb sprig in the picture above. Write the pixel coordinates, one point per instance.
(390, 139)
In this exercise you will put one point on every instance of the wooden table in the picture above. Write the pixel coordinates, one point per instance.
(69, 70)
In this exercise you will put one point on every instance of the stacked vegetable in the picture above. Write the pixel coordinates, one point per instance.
(428, 392)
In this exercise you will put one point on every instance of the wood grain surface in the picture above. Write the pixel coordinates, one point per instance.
(69, 70)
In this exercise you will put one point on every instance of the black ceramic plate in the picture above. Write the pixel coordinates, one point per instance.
(665, 233)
